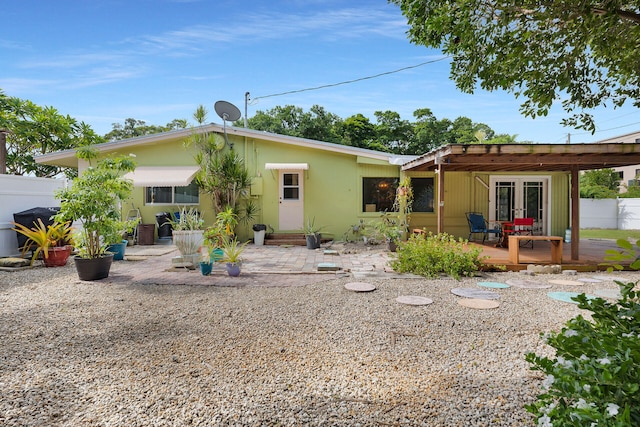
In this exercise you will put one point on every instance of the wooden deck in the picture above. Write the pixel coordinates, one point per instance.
(592, 253)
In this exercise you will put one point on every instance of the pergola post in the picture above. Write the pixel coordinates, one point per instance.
(440, 173)
(575, 213)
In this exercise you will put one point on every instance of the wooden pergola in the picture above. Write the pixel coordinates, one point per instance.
(569, 158)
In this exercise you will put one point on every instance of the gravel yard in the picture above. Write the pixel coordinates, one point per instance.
(124, 354)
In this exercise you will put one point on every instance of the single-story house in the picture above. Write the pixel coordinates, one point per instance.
(297, 179)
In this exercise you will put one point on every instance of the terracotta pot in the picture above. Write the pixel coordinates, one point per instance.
(57, 256)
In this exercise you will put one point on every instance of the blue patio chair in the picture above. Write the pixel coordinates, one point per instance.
(477, 224)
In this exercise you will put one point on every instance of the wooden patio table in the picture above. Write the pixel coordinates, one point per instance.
(556, 247)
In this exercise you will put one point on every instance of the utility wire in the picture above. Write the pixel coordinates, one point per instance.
(351, 81)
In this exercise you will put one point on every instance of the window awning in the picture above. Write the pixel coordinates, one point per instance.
(162, 176)
(287, 166)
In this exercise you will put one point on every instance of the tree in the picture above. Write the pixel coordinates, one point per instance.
(599, 184)
(357, 131)
(33, 130)
(584, 53)
(392, 132)
(133, 128)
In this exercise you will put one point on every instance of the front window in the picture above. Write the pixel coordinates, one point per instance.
(378, 194)
(188, 195)
(422, 194)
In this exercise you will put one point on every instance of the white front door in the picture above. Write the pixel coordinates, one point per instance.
(291, 211)
(520, 197)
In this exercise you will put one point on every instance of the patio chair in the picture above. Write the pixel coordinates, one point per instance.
(477, 224)
(524, 227)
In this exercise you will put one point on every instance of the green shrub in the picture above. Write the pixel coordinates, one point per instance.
(431, 255)
(595, 375)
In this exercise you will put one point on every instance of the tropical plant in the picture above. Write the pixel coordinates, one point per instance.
(222, 175)
(594, 376)
(434, 254)
(233, 250)
(187, 219)
(310, 227)
(94, 199)
(44, 237)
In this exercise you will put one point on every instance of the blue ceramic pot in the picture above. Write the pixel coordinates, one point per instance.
(205, 268)
(118, 250)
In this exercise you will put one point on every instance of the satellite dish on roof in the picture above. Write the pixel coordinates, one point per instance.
(227, 111)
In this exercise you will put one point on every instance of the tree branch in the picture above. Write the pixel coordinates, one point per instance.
(623, 14)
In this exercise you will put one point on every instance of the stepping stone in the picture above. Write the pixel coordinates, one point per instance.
(608, 293)
(327, 266)
(330, 252)
(480, 304)
(589, 280)
(496, 285)
(527, 284)
(414, 300)
(566, 296)
(566, 282)
(475, 293)
(359, 287)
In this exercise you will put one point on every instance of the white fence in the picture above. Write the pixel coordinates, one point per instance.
(19, 193)
(622, 214)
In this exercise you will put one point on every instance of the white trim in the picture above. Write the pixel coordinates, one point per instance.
(286, 166)
(162, 176)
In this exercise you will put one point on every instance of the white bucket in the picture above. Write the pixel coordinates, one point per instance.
(258, 237)
(567, 235)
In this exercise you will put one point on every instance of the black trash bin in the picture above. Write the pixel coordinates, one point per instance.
(165, 230)
(28, 217)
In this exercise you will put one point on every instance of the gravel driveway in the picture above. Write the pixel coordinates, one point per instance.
(119, 354)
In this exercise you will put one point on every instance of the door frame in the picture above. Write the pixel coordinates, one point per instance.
(298, 224)
(518, 179)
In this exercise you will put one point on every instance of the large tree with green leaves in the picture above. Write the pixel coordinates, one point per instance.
(582, 53)
(31, 130)
(133, 128)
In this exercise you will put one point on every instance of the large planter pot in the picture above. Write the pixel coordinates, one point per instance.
(188, 242)
(57, 256)
(118, 250)
(313, 241)
(233, 269)
(93, 268)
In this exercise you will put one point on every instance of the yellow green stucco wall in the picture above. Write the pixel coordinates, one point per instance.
(333, 187)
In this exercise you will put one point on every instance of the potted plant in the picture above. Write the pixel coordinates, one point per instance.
(116, 237)
(53, 241)
(188, 234)
(312, 234)
(232, 250)
(389, 230)
(94, 200)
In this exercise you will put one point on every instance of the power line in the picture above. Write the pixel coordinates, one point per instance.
(351, 81)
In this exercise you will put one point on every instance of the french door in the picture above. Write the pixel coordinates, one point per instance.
(520, 197)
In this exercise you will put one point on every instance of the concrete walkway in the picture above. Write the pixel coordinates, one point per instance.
(262, 266)
(298, 266)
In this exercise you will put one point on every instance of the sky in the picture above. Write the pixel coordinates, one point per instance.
(103, 61)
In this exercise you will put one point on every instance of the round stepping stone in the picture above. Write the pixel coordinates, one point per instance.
(480, 304)
(475, 293)
(413, 300)
(566, 282)
(527, 284)
(608, 293)
(589, 280)
(496, 285)
(359, 287)
(566, 296)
